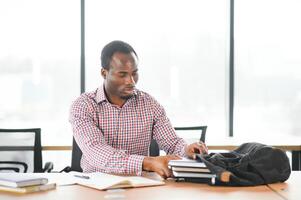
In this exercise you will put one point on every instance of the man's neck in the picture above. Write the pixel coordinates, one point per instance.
(114, 99)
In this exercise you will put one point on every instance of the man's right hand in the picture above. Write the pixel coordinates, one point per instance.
(159, 164)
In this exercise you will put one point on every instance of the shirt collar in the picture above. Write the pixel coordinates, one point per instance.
(101, 96)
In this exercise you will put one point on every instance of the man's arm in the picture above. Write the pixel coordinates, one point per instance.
(101, 156)
(164, 133)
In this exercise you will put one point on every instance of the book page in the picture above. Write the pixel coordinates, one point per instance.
(102, 181)
(138, 181)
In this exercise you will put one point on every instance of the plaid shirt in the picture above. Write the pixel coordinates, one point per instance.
(116, 140)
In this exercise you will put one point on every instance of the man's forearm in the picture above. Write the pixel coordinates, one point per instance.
(119, 163)
(147, 163)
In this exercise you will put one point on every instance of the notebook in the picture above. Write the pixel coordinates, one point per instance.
(102, 181)
(186, 162)
(21, 179)
(190, 169)
(28, 189)
(192, 175)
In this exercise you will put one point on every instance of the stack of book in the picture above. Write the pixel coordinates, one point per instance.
(191, 170)
(24, 183)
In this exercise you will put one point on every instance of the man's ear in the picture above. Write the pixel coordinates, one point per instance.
(104, 73)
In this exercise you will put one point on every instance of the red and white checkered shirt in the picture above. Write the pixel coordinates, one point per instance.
(116, 140)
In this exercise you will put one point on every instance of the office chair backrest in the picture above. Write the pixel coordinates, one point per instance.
(20, 150)
(76, 157)
(154, 147)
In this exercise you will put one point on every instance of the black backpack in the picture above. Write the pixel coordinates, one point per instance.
(248, 165)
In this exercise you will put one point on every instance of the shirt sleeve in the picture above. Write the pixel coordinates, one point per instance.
(165, 134)
(98, 154)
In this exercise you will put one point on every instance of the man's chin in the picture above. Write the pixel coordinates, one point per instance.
(127, 96)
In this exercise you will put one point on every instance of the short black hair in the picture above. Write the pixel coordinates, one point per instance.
(113, 47)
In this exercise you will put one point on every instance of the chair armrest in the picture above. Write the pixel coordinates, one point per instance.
(48, 167)
(66, 169)
(25, 166)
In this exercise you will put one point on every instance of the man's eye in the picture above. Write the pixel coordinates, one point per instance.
(122, 75)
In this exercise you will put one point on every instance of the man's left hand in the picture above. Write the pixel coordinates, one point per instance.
(194, 148)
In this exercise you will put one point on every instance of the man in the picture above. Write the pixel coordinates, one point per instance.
(113, 125)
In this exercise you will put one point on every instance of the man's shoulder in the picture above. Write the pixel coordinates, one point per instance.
(141, 95)
(146, 98)
(85, 98)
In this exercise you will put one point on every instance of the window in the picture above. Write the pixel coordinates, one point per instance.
(267, 68)
(182, 49)
(39, 66)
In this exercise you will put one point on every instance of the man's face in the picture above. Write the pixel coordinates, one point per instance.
(122, 76)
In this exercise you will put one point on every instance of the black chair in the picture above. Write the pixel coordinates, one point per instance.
(75, 159)
(154, 147)
(21, 151)
(153, 150)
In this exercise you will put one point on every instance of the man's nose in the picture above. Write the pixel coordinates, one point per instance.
(131, 80)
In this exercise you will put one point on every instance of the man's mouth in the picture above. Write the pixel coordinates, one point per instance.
(129, 89)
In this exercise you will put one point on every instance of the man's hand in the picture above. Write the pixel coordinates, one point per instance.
(197, 147)
(159, 164)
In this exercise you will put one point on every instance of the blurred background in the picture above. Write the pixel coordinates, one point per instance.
(183, 49)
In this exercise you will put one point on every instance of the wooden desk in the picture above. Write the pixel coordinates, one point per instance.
(291, 188)
(171, 191)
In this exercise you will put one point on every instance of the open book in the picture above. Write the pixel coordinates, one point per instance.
(102, 181)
